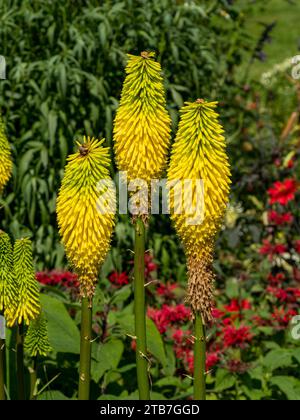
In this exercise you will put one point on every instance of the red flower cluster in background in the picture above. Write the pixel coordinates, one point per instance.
(272, 250)
(297, 246)
(282, 290)
(167, 290)
(280, 219)
(64, 279)
(118, 279)
(169, 315)
(283, 192)
(238, 337)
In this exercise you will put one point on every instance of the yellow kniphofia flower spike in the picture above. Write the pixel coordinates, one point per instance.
(142, 124)
(5, 158)
(199, 153)
(86, 211)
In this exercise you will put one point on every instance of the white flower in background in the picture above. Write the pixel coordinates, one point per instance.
(233, 212)
(269, 77)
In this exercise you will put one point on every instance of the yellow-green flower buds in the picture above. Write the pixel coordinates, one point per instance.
(36, 340)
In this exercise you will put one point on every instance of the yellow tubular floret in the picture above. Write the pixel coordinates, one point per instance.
(86, 211)
(199, 153)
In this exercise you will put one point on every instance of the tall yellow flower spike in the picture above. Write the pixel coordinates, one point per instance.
(199, 153)
(142, 124)
(27, 299)
(5, 158)
(86, 211)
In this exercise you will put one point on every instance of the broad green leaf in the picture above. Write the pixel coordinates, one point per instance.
(106, 357)
(278, 358)
(224, 380)
(52, 395)
(288, 385)
(154, 340)
(63, 333)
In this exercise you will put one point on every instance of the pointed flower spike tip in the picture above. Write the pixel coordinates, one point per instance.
(27, 302)
(5, 158)
(36, 340)
(7, 280)
(142, 124)
(86, 211)
(199, 153)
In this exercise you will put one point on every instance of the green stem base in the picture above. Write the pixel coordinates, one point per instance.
(2, 375)
(20, 362)
(199, 359)
(33, 379)
(139, 311)
(85, 350)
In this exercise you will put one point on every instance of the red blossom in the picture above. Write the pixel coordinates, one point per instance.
(283, 192)
(168, 315)
(280, 219)
(212, 359)
(282, 317)
(118, 279)
(296, 274)
(217, 313)
(288, 295)
(237, 306)
(291, 163)
(236, 336)
(150, 266)
(276, 279)
(167, 290)
(65, 279)
(272, 250)
(297, 246)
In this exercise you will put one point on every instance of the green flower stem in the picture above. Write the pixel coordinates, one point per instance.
(139, 309)
(85, 350)
(199, 359)
(33, 379)
(2, 358)
(20, 361)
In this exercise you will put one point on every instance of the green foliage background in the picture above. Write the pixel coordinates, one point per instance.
(65, 68)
